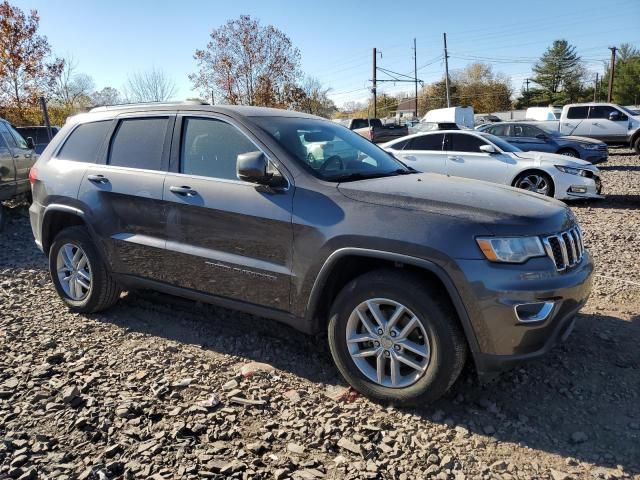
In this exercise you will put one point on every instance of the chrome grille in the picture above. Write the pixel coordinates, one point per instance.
(565, 248)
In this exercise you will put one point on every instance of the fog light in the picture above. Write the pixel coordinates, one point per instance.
(533, 312)
(578, 189)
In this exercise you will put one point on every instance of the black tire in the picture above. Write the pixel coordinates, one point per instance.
(568, 152)
(547, 178)
(3, 217)
(447, 342)
(636, 144)
(104, 291)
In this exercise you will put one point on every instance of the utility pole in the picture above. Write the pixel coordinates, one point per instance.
(595, 89)
(373, 90)
(45, 115)
(526, 81)
(446, 69)
(611, 72)
(415, 75)
(212, 98)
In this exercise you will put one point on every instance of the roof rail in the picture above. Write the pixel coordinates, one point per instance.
(105, 108)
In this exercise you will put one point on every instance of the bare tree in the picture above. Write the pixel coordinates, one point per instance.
(71, 89)
(316, 99)
(106, 96)
(151, 86)
(249, 64)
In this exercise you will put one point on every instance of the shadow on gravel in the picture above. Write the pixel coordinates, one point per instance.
(17, 231)
(620, 202)
(620, 168)
(580, 401)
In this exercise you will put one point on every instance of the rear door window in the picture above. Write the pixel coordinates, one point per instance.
(499, 130)
(459, 142)
(577, 113)
(427, 142)
(84, 142)
(139, 143)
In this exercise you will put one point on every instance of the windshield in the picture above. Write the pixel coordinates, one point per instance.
(328, 150)
(628, 112)
(498, 142)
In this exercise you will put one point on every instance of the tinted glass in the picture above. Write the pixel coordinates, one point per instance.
(459, 142)
(329, 151)
(138, 143)
(500, 143)
(9, 140)
(3, 144)
(399, 145)
(427, 142)
(603, 111)
(84, 142)
(210, 148)
(500, 130)
(18, 138)
(525, 131)
(359, 124)
(577, 112)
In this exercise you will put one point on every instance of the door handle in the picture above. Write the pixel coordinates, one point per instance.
(596, 124)
(456, 158)
(184, 191)
(100, 179)
(409, 157)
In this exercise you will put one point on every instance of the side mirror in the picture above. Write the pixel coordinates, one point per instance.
(541, 136)
(30, 144)
(488, 148)
(614, 116)
(252, 167)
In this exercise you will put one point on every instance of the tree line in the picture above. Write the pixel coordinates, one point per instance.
(247, 63)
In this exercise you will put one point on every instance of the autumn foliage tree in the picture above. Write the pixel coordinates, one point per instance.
(246, 63)
(25, 72)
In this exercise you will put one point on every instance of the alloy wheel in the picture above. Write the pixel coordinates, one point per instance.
(534, 183)
(388, 343)
(74, 271)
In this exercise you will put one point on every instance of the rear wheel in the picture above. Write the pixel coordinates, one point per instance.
(394, 340)
(636, 144)
(79, 274)
(535, 181)
(568, 152)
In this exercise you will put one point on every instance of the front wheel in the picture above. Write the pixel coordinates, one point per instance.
(394, 339)
(636, 145)
(567, 152)
(538, 182)
(79, 274)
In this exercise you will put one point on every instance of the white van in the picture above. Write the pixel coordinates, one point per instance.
(461, 116)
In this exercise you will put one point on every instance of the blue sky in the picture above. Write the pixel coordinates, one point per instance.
(110, 39)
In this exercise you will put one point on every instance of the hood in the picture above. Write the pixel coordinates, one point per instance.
(555, 159)
(500, 209)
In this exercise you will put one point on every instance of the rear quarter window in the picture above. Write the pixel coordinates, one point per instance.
(84, 142)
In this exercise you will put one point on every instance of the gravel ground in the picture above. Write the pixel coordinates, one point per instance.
(163, 388)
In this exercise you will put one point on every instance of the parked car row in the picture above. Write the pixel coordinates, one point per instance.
(292, 217)
(17, 156)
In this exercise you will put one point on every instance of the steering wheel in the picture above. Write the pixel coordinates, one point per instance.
(329, 161)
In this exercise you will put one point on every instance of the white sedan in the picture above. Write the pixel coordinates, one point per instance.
(481, 156)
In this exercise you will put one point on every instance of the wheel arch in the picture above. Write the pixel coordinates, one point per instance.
(55, 219)
(568, 149)
(347, 263)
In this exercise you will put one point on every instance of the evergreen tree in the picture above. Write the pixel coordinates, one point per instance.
(559, 73)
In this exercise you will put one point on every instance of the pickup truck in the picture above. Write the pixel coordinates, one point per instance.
(16, 159)
(373, 129)
(607, 122)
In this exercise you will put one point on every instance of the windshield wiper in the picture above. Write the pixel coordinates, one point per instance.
(363, 176)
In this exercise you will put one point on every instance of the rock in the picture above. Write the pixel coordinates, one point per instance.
(337, 393)
(292, 395)
(247, 401)
(69, 394)
(433, 459)
(578, 437)
(499, 466)
(182, 383)
(55, 358)
(210, 403)
(350, 446)
(280, 474)
(446, 461)
(112, 450)
(230, 385)
(253, 368)
(295, 448)
(558, 475)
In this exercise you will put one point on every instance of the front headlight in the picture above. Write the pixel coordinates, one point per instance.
(510, 249)
(572, 170)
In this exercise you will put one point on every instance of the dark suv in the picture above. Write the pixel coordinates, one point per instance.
(410, 274)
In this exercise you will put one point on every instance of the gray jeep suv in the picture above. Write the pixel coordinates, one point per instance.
(410, 274)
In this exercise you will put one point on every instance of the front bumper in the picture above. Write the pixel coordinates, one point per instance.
(569, 187)
(594, 157)
(492, 291)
